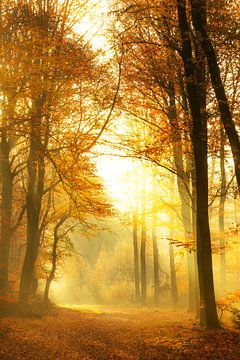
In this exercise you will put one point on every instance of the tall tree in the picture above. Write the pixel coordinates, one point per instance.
(12, 85)
(199, 138)
(61, 70)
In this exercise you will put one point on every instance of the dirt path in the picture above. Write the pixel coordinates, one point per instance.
(113, 334)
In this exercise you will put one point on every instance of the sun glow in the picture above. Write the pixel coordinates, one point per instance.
(118, 176)
(92, 25)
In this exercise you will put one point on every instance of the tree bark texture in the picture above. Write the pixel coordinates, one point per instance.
(36, 174)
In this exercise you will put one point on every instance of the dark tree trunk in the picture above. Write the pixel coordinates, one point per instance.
(155, 262)
(199, 138)
(8, 110)
(174, 289)
(200, 25)
(6, 214)
(36, 174)
(136, 257)
(221, 212)
(194, 232)
(39, 135)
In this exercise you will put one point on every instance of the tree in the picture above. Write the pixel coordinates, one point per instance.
(143, 243)
(55, 88)
(12, 90)
(199, 139)
(155, 76)
(194, 67)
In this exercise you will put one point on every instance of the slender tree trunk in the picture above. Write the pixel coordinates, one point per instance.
(221, 212)
(6, 214)
(8, 110)
(203, 230)
(136, 257)
(194, 232)
(143, 242)
(155, 261)
(193, 301)
(199, 138)
(174, 289)
(173, 274)
(200, 25)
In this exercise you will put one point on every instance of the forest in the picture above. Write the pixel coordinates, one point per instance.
(119, 179)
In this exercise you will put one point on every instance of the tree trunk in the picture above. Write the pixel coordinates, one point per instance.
(8, 110)
(221, 213)
(6, 214)
(183, 183)
(199, 138)
(200, 25)
(155, 261)
(39, 135)
(143, 241)
(194, 232)
(174, 289)
(36, 174)
(136, 257)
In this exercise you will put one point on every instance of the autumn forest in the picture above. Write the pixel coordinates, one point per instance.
(119, 179)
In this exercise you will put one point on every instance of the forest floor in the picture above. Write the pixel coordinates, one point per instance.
(87, 333)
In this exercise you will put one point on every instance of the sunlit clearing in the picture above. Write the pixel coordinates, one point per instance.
(85, 308)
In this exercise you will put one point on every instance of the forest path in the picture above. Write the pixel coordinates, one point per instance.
(88, 333)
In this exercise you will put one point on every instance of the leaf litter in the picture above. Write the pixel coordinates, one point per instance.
(115, 334)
